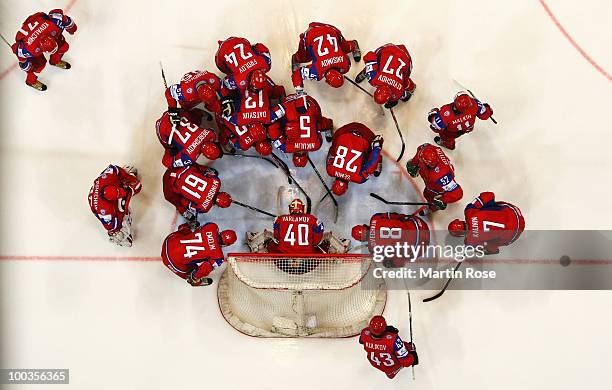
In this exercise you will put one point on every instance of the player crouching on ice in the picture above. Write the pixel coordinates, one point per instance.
(184, 141)
(489, 223)
(296, 233)
(324, 47)
(388, 69)
(194, 254)
(386, 350)
(194, 88)
(387, 229)
(194, 189)
(109, 200)
(42, 33)
(438, 175)
(355, 155)
(453, 120)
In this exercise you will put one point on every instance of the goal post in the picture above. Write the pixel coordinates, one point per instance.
(318, 295)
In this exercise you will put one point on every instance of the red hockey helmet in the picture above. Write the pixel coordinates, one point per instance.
(382, 94)
(211, 151)
(48, 44)
(223, 200)
(228, 237)
(299, 160)
(296, 207)
(378, 325)
(263, 148)
(360, 232)
(457, 228)
(429, 157)
(339, 187)
(258, 80)
(206, 93)
(111, 192)
(334, 78)
(258, 131)
(463, 102)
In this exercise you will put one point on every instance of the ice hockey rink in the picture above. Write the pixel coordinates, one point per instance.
(118, 319)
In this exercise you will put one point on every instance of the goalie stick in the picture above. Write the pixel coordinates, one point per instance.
(333, 198)
(473, 96)
(378, 197)
(438, 295)
(246, 206)
(292, 180)
(399, 131)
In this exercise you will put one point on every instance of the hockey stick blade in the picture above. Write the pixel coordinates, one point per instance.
(438, 295)
(380, 198)
(399, 131)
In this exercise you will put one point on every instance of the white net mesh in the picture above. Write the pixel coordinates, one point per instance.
(300, 296)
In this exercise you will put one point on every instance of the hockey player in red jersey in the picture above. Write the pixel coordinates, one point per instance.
(438, 175)
(194, 88)
(385, 349)
(489, 223)
(240, 61)
(301, 128)
(193, 255)
(42, 33)
(388, 69)
(453, 120)
(296, 232)
(355, 154)
(324, 47)
(386, 229)
(194, 189)
(184, 142)
(109, 199)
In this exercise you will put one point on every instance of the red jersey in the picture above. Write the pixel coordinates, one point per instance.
(37, 26)
(298, 233)
(194, 187)
(449, 120)
(112, 212)
(238, 58)
(390, 65)
(183, 146)
(183, 251)
(303, 124)
(492, 224)
(388, 352)
(440, 179)
(351, 156)
(185, 92)
(240, 136)
(389, 228)
(326, 48)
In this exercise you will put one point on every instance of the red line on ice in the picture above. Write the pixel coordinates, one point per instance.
(573, 42)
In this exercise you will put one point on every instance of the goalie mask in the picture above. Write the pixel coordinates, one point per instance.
(296, 207)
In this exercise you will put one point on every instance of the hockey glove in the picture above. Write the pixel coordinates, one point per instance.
(413, 170)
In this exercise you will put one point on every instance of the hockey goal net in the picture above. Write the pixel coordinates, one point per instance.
(270, 295)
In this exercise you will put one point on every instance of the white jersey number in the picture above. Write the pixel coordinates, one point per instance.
(389, 70)
(196, 184)
(340, 160)
(305, 126)
(385, 359)
(323, 51)
(231, 57)
(302, 234)
(192, 250)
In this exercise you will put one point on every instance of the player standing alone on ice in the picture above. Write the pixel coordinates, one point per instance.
(42, 33)
(324, 47)
(388, 69)
(453, 120)
(109, 200)
(194, 254)
(386, 350)
(490, 223)
(438, 175)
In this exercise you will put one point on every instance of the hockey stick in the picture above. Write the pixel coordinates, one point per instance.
(473, 96)
(410, 323)
(163, 75)
(292, 180)
(5, 41)
(364, 90)
(326, 188)
(166, 87)
(399, 131)
(378, 197)
(438, 295)
(252, 156)
(246, 206)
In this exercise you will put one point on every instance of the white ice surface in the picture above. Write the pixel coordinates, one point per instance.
(132, 325)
